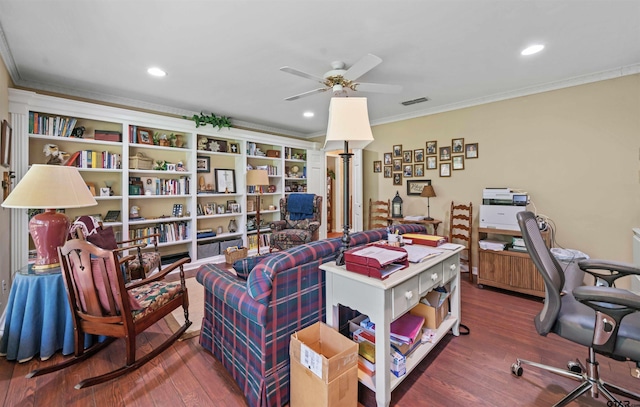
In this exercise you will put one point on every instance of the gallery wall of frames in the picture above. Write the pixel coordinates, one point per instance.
(414, 163)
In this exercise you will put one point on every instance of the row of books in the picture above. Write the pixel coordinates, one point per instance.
(169, 232)
(94, 159)
(51, 125)
(159, 186)
(264, 240)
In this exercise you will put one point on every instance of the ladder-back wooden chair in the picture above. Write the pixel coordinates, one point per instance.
(379, 212)
(460, 231)
(102, 305)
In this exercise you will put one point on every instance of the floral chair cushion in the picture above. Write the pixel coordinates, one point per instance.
(153, 296)
(150, 262)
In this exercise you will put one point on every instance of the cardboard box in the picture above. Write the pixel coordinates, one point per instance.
(324, 368)
(433, 315)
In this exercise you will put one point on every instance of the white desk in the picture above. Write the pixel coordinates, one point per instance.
(386, 300)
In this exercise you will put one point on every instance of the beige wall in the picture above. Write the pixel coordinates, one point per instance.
(576, 151)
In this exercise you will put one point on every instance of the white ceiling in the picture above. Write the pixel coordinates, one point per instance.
(224, 56)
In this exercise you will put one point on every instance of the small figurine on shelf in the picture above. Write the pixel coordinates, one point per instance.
(54, 155)
(78, 132)
(232, 226)
(134, 213)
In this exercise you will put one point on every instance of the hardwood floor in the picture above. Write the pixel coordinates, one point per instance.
(472, 370)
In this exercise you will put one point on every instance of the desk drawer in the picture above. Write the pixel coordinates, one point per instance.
(405, 296)
(451, 267)
(430, 278)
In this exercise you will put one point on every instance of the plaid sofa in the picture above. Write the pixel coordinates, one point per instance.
(247, 324)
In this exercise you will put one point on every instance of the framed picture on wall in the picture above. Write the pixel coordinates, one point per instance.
(397, 178)
(397, 165)
(203, 163)
(414, 186)
(445, 153)
(377, 166)
(418, 170)
(457, 145)
(387, 171)
(418, 155)
(397, 150)
(432, 147)
(471, 150)
(225, 180)
(445, 169)
(408, 171)
(5, 144)
(458, 162)
(407, 156)
(432, 163)
(387, 158)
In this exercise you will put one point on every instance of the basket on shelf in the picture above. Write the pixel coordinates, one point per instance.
(140, 162)
(231, 256)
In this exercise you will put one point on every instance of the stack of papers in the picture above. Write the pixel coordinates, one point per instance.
(414, 218)
(417, 253)
(495, 245)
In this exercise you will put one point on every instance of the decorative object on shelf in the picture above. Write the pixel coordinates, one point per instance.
(112, 216)
(348, 122)
(271, 189)
(140, 162)
(203, 163)
(396, 206)
(134, 212)
(219, 230)
(225, 180)
(428, 192)
(145, 136)
(161, 165)
(234, 148)
(105, 191)
(5, 144)
(54, 155)
(258, 178)
(78, 132)
(109, 184)
(202, 142)
(233, 226)
(415, 186)
(49, 187)
(216, 121)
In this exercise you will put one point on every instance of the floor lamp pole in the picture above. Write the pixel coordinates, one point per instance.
(258, 219)
(346, 156)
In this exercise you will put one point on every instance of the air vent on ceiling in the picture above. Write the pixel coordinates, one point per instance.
(414, 101)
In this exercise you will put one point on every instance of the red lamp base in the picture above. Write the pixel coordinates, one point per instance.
(48, 231)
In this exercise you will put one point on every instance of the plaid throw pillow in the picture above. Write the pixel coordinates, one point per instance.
(244, 266)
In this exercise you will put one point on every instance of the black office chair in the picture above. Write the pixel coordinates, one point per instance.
(603, 318)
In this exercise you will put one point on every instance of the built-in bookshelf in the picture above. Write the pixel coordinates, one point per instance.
(143, 166)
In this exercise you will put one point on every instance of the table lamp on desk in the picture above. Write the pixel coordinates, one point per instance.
(428, 192)
(49, 187)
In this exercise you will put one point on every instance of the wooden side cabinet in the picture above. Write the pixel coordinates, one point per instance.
(508, 270)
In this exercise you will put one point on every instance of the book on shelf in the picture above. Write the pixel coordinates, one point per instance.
(407, 328)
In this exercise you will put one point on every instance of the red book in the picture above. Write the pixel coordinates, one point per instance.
(407, 328)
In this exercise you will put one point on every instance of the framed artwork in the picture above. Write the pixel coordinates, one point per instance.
(445, 153)
(397, 178)
(397, 150)
(229, 203)
(397, 165)
(408, 171)
(5, 144)
(234, 148)
(418, 170)
(407, 156)
(414, 187)
(458, 162)
(432, 163)
(112, 216)
(220, 209)
(387, 158)
(145, 136)
(377, 166)
(387, 171)
(235, 208)
(203, 163)
(445, 169)
(225, 180)
(209, 209)
(418, 155)
(457, 145)
(217, 146)
(432, 147)
(471, 150)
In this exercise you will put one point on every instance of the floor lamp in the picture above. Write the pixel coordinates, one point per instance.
(348, 127)
(49, 187)
(257, 179)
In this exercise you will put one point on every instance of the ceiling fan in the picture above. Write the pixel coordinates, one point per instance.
(339, 79)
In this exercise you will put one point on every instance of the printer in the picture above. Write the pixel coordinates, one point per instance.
(500, 206)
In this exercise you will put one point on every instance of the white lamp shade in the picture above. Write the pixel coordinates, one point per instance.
(50, 187)
(257, 177)
(348, 121)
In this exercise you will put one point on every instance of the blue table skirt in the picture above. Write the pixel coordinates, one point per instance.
(38, 318)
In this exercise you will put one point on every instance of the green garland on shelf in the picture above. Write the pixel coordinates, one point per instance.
(212, 119)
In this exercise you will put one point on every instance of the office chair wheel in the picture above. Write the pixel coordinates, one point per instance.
(516, 369)
(575, 367)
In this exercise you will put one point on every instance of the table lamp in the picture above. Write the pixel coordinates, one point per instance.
(258, 178)
(428, 192)
(49, 187)
(348, 123)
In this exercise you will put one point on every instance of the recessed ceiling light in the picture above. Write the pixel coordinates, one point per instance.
(533, 49)
(155, 71)
(308, 114)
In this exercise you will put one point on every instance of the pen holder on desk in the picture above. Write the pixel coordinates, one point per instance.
(394, 240)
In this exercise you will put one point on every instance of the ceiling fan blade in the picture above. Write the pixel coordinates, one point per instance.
(377, 87)
(301, 95)
(298, 72)
(364, 65)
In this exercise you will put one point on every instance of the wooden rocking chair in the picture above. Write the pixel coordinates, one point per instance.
(102, 305)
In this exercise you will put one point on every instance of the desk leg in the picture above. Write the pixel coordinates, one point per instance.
(332, 317)
(435, 229)
(382, 318)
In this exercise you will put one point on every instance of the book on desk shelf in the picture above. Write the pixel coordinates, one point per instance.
(407, 328)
